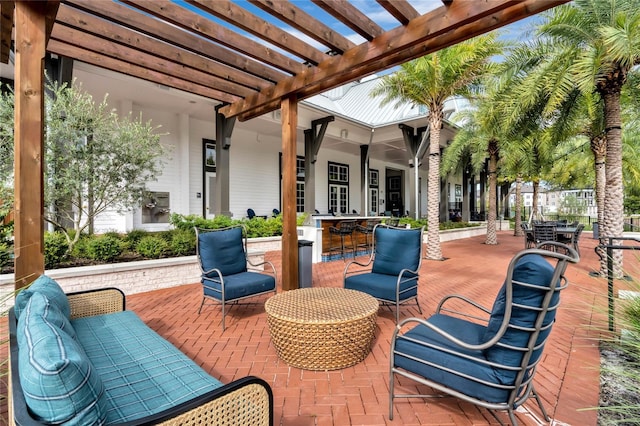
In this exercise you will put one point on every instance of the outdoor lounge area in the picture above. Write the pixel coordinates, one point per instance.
(567, 378)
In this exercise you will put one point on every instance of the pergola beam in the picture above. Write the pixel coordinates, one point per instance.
(439, 28)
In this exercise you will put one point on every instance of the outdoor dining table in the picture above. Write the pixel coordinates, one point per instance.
(566, 231)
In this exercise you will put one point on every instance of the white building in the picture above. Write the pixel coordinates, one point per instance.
(187, 185)
(551, 201)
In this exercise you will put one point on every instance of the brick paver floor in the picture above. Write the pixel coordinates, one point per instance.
(567, 379)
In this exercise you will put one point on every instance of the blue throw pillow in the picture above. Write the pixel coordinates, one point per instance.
(49, 288)
(58, 381)
(40, 305)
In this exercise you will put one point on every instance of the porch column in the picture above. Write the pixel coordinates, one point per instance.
(289, 108)
(416, 145)
(313, 138)
(30, 45)
(364, 180)
(224, 128)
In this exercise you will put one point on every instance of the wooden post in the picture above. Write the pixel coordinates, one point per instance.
(289, 108)
(30, 45)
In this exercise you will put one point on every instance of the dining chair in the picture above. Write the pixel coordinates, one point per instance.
(543, 233)
(529, 240)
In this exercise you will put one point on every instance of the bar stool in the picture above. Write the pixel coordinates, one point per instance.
(342, 229)
(367, 231)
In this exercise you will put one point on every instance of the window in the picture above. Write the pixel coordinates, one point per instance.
(339, 188)
(299, 183)
(374, 178)
(338, 173)
(209, 155)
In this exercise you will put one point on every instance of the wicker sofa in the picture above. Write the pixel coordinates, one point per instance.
(83, 359)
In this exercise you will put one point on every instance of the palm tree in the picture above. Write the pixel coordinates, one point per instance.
(430, 81)
(605, 36)
(476, 141)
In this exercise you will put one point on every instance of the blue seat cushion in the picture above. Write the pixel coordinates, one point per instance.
(532, 269)
(466, 331)
(239, 285)
(59, 382)
(143, 373)
(223, 250)
(382, 286)
(50, 288)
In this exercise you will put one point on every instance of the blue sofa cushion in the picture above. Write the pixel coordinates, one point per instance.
(395, 250)
(222, 250)
(239, 285)
(58, 380)
(143, 373)
(50, 288)
(533, 269)
(383, 286)
(466, 331)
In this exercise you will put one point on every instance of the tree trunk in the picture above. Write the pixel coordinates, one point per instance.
(518, 232)
(599, 149)
(613, 216)
(534, 205)
(492, 237)
(433, 187)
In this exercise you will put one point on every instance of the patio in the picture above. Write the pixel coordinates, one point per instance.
(567, 379)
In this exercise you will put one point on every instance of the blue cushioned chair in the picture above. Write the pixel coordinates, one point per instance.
(394, 264)
(488, 363)
(222, 254)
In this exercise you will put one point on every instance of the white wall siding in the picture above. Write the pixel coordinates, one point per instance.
(254, 173)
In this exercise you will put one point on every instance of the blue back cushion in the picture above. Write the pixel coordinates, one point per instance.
(40, 304)
(532, 269)
(222, 250)
(50, 288)
(58, 381)
(396, 249)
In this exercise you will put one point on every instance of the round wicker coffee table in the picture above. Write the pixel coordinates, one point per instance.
(322, 328)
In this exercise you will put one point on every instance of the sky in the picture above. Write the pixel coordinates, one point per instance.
(371, 8)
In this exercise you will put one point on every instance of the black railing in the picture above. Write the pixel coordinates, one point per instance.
(607, 244)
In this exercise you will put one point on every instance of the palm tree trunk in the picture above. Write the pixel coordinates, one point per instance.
(518, 213)
(433, 187)
(599, 149)
(613, 217)
(534, 206)
(492, 237)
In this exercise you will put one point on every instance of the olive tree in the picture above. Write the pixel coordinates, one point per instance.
(95, 160)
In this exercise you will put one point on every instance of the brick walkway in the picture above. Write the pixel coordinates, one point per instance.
(567, 378)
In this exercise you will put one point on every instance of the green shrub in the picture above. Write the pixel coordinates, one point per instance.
(79, 250)
(5, 255)
(152, 247)
(56, 248)
(133, 238)
(104, 248)
(183, 242)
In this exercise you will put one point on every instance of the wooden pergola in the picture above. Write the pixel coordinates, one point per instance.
(211, 48)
